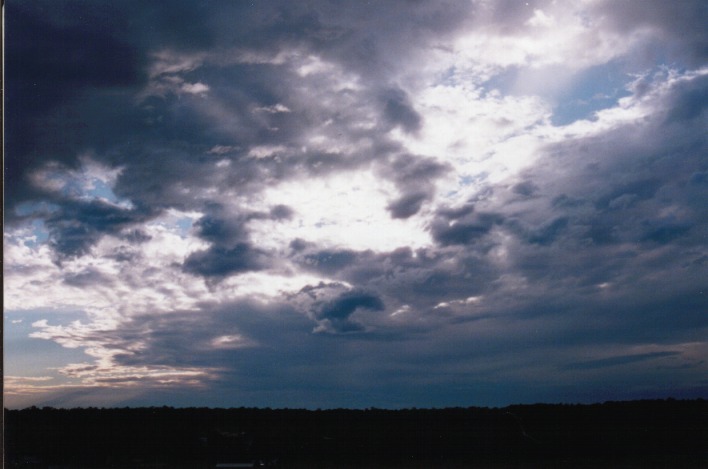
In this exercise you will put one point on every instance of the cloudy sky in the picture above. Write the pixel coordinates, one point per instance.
(351, 204)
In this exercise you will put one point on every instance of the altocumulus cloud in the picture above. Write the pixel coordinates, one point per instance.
(314, 204)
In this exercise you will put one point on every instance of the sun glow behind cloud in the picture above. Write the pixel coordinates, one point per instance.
(341, 211)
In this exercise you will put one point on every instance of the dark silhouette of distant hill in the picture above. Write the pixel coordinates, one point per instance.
(651, 433)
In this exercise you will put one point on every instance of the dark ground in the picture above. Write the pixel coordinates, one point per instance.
(639, 434)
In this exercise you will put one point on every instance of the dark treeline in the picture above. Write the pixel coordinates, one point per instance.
(657, 433)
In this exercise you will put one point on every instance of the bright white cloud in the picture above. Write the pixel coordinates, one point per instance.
(343, 211)
(195, 88)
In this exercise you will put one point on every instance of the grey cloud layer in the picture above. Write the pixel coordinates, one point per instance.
(600, 245)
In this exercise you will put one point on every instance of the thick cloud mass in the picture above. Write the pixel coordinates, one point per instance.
(326, 204)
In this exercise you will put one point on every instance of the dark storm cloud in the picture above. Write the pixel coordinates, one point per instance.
(690, 105)
(627, 193)
(547, 233)
(182, 175)
(65, 58)
(329, 261)
(303, 369)
(415, 177)
(399, 111)
(337, 313)
(409, 170)
(78, 225)
(183, 24)
(47, 63)
(466, 229)
(220, 261)
(610, 243)
(687, 102)
(86, 93)
(231, 250)
(700, 178)
(334, 306)
(664, 232)
(634, 311)
(187, 338)
(190, 338)
(420, 279)
(221, 229)
(630, 186)
(281, 212)
(345, 304)
(376, 40)
(407, 205)
(599, 243)
(682, 27)
(525, 188)
(618, 360)
(259, 371)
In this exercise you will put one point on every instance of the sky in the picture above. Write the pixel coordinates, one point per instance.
(321, 204)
